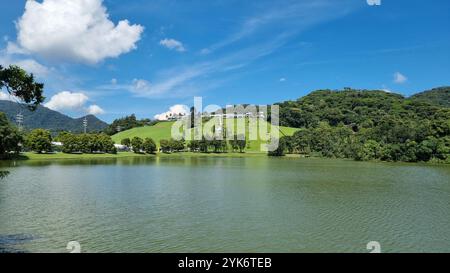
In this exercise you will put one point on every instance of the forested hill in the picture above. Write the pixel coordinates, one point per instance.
(437, 96)
(48, 119)
(358, 108)
(366, 125)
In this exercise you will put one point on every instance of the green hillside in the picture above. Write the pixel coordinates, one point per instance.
(162, 130)
(157, 132)
(370, 125)
(437, 96)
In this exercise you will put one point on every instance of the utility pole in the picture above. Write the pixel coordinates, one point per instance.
(19, 121)
(85, 124)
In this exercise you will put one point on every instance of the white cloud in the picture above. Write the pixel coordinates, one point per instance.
(29, 65)
(173, 44)
(13, 48)
(282, 79)
(6, 96)
(174, 110)
(95, 110)
(79, 30)
(74, 101)
(114, 81)
(400, 78)
(67, 100)
(141, 86)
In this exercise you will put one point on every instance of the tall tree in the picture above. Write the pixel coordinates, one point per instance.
(136, 144)
(149, 146)
(39, 141)
(10, 137)
(22, 85)
(126, 142)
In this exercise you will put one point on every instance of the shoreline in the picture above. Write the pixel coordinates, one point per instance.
(30, 156)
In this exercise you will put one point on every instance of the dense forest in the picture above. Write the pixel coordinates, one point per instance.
(437, 96)
(368, 125)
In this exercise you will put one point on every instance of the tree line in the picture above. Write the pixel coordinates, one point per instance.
(366, 125)
(127, 123)
(85, 143)
(139, 145)
(12, 141)
(147, 145)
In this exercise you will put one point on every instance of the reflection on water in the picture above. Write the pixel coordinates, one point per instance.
(222, 204)
(12, 243)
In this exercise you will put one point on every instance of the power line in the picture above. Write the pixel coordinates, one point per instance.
(19, 121)
(85, 124)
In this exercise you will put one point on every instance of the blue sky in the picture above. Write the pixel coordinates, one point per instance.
(227, 51)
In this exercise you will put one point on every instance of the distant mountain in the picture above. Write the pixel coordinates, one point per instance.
(49, 119)
(437, 96)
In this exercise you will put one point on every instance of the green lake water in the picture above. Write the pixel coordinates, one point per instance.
(224, 204)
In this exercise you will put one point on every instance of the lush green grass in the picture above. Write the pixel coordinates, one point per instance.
(157, 132)
(162, 130)
(55, 156)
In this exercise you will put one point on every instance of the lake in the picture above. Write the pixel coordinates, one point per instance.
(224, 204)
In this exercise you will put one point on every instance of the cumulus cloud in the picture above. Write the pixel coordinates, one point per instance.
(173, 110)
(34, 67)
(400, 78)
(67, 100)
(173, 44)
(30, 65)
(73, 101)
(140, 85)
(95, 110)
(79, 30)
(13, 48)
(6, 96)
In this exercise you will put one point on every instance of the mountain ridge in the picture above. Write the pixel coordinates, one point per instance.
(48, 119)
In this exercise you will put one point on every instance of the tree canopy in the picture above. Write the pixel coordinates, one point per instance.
(22, 85)
(10, 137)
(367, 125)
(127, 123)
(39, 140)
(149, 146)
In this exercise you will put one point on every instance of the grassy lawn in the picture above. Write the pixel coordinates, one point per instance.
(162, 130)
(34, 156)
(157, 132)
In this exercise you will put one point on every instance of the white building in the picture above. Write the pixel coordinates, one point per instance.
(121, 147)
